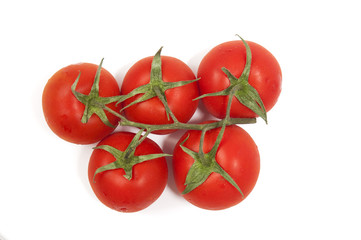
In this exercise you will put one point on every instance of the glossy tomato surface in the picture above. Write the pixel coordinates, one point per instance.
(180, 99)
(237, 154)
(148, 180)
(63, 112)
(265, 76)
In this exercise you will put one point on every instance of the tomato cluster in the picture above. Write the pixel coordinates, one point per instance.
(215, 163)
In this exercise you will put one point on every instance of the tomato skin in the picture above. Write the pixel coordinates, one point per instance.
(237, 154)
(265, 76)
(63, 112)
(180, 99)
(114, 190)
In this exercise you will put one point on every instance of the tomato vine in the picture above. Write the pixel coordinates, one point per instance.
(204, 163)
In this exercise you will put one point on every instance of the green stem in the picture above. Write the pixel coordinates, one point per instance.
(161, 97)
(200, 151)
(179, 125)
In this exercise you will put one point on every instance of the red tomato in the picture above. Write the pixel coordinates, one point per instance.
(265, 76)
(180, 99)
(63, 112)
(237, 154)
(148, 180)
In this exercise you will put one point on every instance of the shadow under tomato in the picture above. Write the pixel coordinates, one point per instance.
(1, 237)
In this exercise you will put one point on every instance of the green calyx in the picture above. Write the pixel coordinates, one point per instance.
(205, 164)
(156, 87)
(126, 159)
(245, 93)
(94, 104)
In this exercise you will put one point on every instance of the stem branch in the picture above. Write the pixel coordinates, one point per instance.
(179, 125)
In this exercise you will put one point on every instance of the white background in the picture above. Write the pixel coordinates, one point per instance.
(310, 180)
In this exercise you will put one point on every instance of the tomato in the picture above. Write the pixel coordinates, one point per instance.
(237, 154)
(147, 183)
(63, 112)
(180, 99)
(265, 76)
